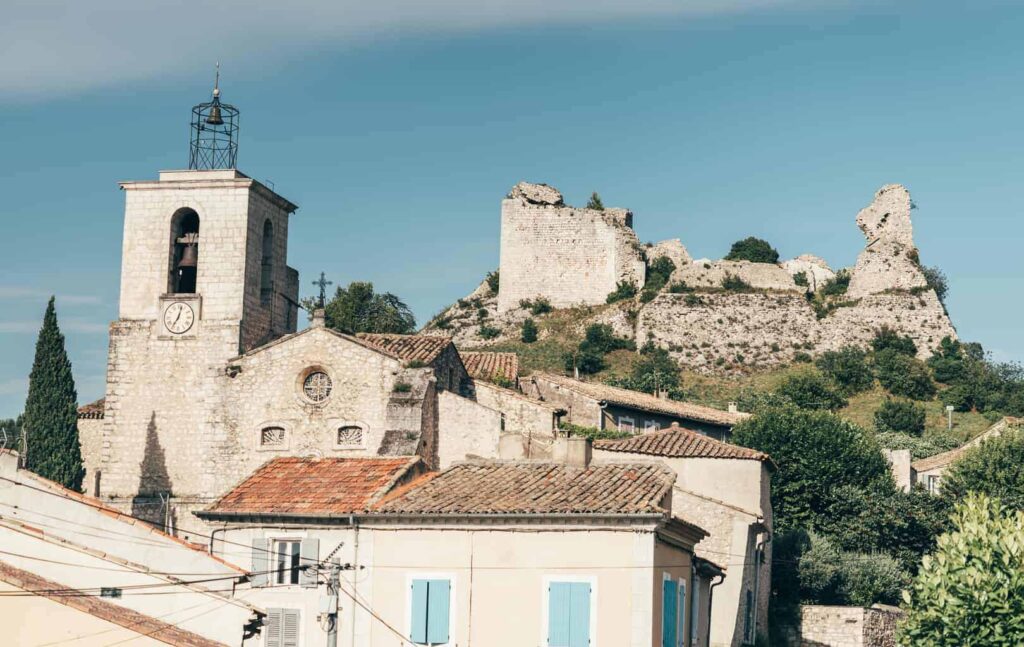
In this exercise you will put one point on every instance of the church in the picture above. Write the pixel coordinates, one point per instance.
(208, 377)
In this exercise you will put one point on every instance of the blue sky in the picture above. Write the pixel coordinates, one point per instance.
(398, 128)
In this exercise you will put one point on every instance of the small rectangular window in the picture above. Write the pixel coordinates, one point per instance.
(431, 609)
(287, 556)
(627, 424)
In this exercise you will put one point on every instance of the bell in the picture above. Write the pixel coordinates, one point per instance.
(215, 119)
(189, 257)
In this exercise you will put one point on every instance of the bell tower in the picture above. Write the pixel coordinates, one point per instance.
(204, 278)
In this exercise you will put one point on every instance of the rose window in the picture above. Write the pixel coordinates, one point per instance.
(317, 386)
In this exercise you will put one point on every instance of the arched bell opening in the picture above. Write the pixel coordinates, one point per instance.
(184, 251)
(267, 264)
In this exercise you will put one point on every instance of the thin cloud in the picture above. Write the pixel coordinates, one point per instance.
(14, 292)
(67, 325)
(69, 46)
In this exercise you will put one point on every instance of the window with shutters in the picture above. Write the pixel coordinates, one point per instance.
(669, 612)
(569, 613)
(430, 608)
(287, 558)
(681, 612)
(281, 628)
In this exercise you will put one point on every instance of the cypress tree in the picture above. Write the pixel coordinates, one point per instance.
(50, 421)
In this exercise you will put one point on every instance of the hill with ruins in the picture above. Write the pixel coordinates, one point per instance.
(713, 316)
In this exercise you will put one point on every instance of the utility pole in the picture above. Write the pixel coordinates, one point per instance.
(329, 605)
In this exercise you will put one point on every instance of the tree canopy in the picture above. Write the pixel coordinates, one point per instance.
(755, 250)
(993, 468)
(357, 308)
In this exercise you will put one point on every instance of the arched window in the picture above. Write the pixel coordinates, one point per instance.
(349, 436)
(273, 437)
(184, 251)
(267, 264)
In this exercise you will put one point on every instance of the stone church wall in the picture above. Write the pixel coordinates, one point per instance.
(466, 428)
(565, 254)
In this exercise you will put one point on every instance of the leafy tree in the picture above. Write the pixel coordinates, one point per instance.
(51, 410)
(658, 273)
(656, 371)
(623, 290)
(602, 339)
(848, 367)
(948, 363)
(754, 250)
(904, 375)
(800, 278)
(815, 452)
(357, 308)
(937, 281)
(888, 339)
(595, 202)
(993, 468)
(829, 575)
(10, 433)
(493, 281)
(812, 391)
(584, 360)
(835, 286)
(901, 416)
(529, 331)
(920, 447)
(970, 592)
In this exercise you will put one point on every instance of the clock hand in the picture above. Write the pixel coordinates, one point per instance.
(180, 309)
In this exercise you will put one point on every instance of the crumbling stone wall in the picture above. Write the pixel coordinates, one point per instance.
(834, 626)
(890, 260)
(710, 274)
(566, 254)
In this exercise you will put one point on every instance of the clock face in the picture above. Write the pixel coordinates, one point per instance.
(178, 317)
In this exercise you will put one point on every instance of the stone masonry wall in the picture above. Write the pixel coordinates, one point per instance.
(830, 626)
(566, 254)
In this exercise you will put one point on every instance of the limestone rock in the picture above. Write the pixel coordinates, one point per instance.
(536, 193)
(710, 274)
(673, 249)
(814, 268)
(888, 216)
(889, 262)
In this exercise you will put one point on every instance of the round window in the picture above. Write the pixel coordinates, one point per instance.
(317, 386)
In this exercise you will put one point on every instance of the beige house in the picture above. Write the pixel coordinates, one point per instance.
(726, 490)
(928, 471)
(591, 404)
(496, 553)
(76, 572)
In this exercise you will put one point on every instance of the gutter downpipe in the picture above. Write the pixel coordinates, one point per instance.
(711, 598)
(354, 524)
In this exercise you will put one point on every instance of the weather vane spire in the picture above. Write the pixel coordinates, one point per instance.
(216, 82)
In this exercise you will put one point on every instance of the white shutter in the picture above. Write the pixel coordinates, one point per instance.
(260, 562)
(309, 552)
(290, 632)
(272, 628)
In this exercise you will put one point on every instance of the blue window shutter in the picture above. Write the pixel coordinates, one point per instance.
(438, 602)
(579, 615)
(669, 606)
(260, 561)
(559, 596)
(418, 625)
(309, 554)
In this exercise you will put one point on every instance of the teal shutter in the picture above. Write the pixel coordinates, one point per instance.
(438, 602)
(579, 615)
(669, 608)
(260, 561)
(559, 596)
(418, 626)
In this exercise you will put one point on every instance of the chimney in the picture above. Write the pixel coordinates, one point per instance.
(319, 318)
(574, 451)
(733, 408)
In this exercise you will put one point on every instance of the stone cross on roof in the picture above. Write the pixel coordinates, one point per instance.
(322, 283)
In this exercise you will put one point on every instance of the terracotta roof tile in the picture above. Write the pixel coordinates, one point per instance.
(315, 486)
(529, 487)
(646, 402)
(409, 348)
(122, 616)
(677, 442)
(489, 366)
(947, 458)
(91, 411)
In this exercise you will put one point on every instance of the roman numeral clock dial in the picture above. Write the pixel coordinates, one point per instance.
(179, 317)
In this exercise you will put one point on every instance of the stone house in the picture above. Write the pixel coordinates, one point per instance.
(726, 490)
(928, 471)
(75, 571)
(590, 404)
(485, 552)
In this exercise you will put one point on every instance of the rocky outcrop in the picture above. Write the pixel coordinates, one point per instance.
(711, 274)
(536, 194)
(672, 249)
(815, 270)
(890, 260)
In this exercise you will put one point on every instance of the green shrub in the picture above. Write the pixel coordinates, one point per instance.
(692, 300)
(493, 281)
(800, 278)
(903, 375)
(656, 371)
(528, 334)
(401, 387)
(815, 452)
(900, 416)
(801, 357)
(888, 339)
(592, 432)
(832, 576)
(482, 313)
(948, 362)
(971, 591)
(920, 447)
(595, 202)
(679, 287)
(601, 338)
(540, 306)
(993, 468)
(734, 283)
(812, 391)
(936, 280)
(848, 367)
(835, 286)
(658, 272)
(623, 290)
(586, 361)
(488, 332)
(754, 250)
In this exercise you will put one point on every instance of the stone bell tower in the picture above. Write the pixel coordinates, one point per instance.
(204, 278)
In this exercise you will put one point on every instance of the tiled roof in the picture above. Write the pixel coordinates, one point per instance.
(315, 486)
(536, 488)
(409, 348)
(946, 458)
(677, 442)
(646, 402)
(91, 411)
(488, 366)
(122, 616)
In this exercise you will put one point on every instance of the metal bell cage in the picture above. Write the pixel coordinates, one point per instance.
(214, 140)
